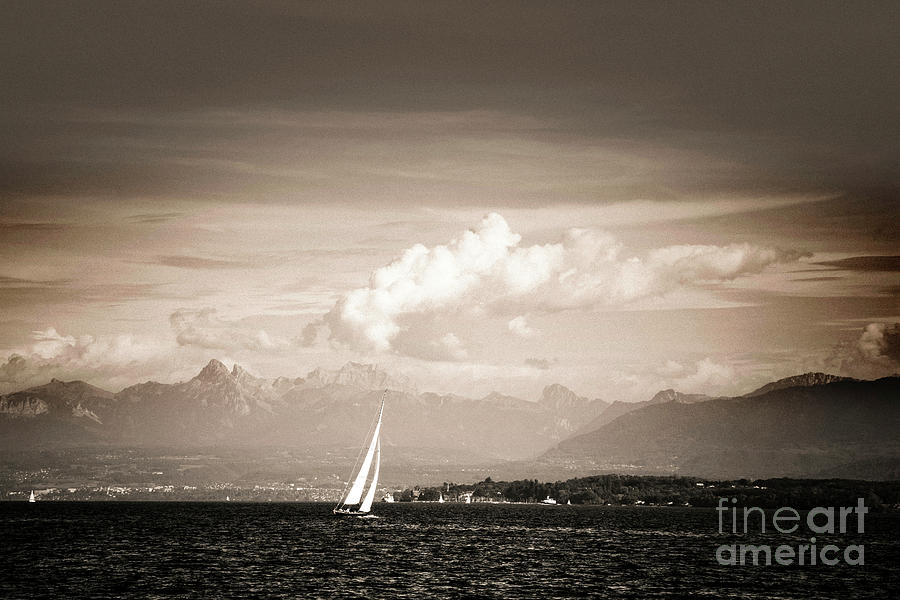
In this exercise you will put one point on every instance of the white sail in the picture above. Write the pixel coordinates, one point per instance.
(366, 505)
(31, 497)
(355, 493)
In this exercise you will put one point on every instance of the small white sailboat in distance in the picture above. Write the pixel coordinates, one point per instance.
(354, 503)
(31, 497)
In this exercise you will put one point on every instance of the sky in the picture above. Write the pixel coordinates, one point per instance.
(620, 197)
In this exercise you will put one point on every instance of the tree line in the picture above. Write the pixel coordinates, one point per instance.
(668, 491)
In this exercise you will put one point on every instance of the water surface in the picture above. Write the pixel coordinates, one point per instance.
(230, 550)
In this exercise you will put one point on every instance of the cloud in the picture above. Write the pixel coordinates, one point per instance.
(16, 292)
(876, 353)
(52, 354)
(7, 226)
(160, 217)
(489, 270)
(880, 341)
(451, 346)
(202, 328)
(812, 279)
(519, 326)
(708, 376)
(542, 364)
(865, 263)
(196, 262)
(428, 343)
(671, 368)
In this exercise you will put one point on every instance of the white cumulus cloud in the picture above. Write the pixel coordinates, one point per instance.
(204, 329)
(881, 342)
(106, 359)
(876, 353)
(520, 327)
(488, 268)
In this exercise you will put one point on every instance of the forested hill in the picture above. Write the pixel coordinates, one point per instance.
(674, 491)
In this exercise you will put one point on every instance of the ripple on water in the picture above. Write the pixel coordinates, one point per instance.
(148, 550)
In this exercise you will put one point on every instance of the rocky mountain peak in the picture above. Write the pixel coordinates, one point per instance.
(802, 380)
(318, 377)
(353, 372)
(213, 372)
(557, 395)
(72, 389)
(505, 401)
(243, 376)
(361, 376)
(671, 395)
(664, 396)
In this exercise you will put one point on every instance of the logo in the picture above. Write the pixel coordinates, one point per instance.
(786, 520)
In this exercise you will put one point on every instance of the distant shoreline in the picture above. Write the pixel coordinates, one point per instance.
(598, 490)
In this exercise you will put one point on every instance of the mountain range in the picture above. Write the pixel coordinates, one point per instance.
(813, 425)
(219, 407)
(808, 425)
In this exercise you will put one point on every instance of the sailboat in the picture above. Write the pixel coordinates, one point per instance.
(31, 497)
(354, 503)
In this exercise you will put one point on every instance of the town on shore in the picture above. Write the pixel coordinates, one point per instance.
(608, 490)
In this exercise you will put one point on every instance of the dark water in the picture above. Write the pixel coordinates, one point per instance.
(206, 550)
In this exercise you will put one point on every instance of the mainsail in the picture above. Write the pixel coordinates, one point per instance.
(355, 494)
(366, 505)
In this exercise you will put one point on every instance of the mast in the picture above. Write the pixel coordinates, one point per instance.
(366, 505)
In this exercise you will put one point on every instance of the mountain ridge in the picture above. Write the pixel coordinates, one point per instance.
(802, 380)
(787, 431)
(800, 425)
(222, 406)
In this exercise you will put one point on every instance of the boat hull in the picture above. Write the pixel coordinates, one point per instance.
(349, 513)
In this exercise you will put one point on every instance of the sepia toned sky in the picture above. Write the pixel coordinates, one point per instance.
(619, 197)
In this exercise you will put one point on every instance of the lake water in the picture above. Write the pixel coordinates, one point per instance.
(228, 550)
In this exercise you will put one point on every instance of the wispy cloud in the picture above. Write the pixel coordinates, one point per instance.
(811, 279)
(19, 292)
(197, 262)
(204, 329)
(13, 226)
(865, 263)
(16, 282)
(163, 217)
(539, 363)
